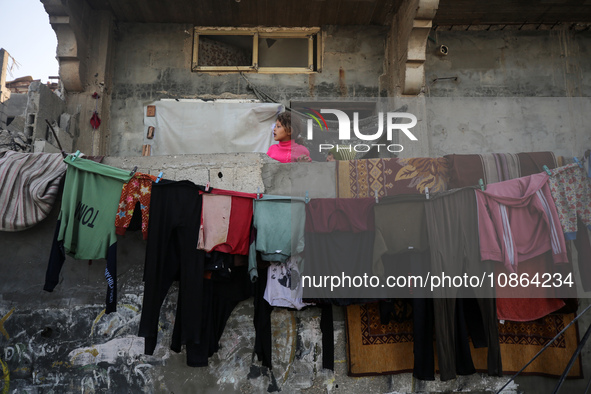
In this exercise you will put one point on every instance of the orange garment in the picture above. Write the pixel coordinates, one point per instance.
(139, 188)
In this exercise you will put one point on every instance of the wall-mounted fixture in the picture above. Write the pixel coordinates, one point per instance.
(442, 50)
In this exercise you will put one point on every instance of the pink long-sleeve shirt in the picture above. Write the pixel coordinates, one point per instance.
(287, 151)
(517, 220)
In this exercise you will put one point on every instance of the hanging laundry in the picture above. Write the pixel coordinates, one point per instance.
(339, 237)
(466, 170)
(400, 227)
(284, 286)
(172, 255)
(29, 184)
(362, 178)
(264, 335)
(85, 228)
(279, 225)
(220, 297)
(137, 190)
(571, 191)
(517, 220)
(583, 245)
(527, 303)
(225, 221)
(452, 223)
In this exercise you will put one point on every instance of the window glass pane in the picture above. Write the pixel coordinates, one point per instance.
(283, 52)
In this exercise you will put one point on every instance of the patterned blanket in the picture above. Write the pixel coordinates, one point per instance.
(375, 349)
(389, 177)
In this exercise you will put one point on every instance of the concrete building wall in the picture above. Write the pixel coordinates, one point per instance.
(509, 63)
(509, 91)
(153, 61)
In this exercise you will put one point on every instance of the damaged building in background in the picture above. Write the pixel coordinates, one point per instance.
(145, 83)
(29, 108)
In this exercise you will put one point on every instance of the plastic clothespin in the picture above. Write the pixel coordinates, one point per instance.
(578, 162)
(376, 194)
(481, 183)
(427, 192)
(545, 168)
(132, 173)
(258, 192)
(76, 155)
(159, 177)
(307, 200)
(207, 187)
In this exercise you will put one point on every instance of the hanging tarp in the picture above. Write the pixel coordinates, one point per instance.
(197, 127)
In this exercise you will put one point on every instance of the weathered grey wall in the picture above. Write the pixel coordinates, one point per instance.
(153, 61)
(16, 104)
(510, 63)
(516, 91)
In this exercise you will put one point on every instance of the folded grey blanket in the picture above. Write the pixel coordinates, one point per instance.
(29, 184)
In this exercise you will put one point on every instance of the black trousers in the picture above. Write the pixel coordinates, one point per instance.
(262, 324)
(171, 255)
(220, 296)
(452, 224)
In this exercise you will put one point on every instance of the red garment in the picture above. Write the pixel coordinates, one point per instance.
(324, 215)
(226, 217)
(517, 220)
(287, 151)
(540, 301)
(139, 188)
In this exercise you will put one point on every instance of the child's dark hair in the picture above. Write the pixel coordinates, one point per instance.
(285, 119)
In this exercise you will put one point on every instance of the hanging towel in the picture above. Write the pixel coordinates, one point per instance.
(225, 221)
(29, 183)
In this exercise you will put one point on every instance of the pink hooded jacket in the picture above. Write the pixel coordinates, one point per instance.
(517, 220)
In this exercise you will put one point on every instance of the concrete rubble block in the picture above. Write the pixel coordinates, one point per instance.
(42, 104)
(65, 139)
(16, 105)
(45, 147)
(6, 141)
(222, 177)
(65, 123)
(17, 125)
(21, 140)
(3, 116)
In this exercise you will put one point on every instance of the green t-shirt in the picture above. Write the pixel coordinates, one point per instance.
(280, 222)
(89, 205)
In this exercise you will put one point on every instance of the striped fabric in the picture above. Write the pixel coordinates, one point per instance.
(500, 167)
(29, 184)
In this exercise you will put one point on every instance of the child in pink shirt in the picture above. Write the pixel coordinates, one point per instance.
(287, 150)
